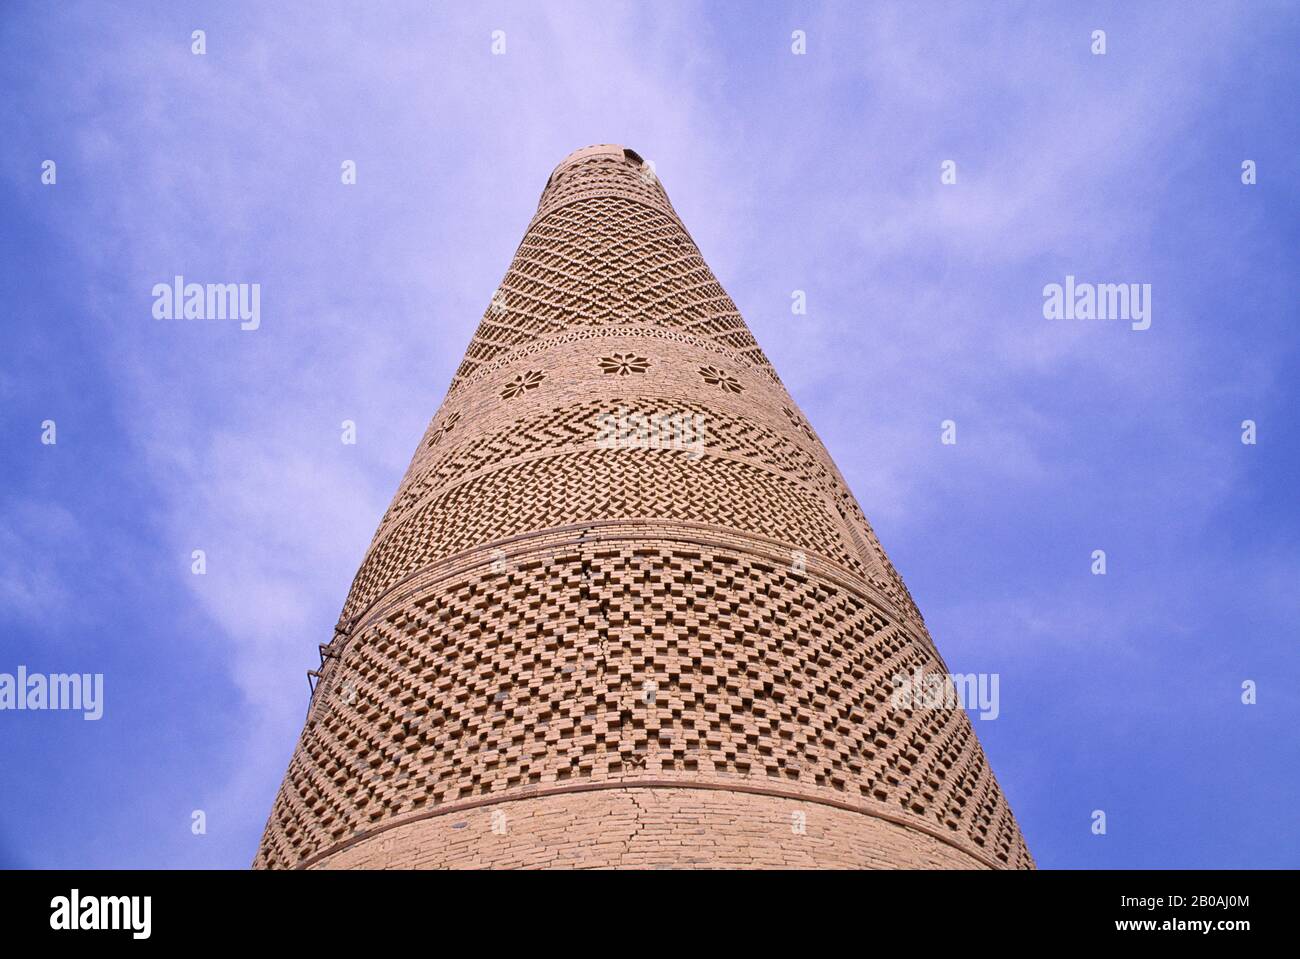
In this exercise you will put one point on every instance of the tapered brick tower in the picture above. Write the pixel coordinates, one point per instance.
(623, 609)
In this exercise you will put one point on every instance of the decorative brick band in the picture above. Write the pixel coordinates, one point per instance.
(742, 788)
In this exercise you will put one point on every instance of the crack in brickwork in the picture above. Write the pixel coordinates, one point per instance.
(639, 823)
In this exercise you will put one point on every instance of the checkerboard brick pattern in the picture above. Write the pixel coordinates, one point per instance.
(561, 651)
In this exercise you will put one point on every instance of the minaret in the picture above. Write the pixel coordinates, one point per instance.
(623, 609)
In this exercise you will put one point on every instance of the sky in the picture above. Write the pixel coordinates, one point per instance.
(819, 172)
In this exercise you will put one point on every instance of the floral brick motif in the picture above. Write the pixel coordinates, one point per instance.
(715, 377)
(522, 384)
(799, 423)
(447, 426)
(624, 363)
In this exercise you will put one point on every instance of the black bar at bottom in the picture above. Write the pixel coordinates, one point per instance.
(644, 910)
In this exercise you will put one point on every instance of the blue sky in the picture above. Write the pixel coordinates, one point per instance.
(817, 172)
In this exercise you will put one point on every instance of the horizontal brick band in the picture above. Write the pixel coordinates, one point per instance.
(369, 836)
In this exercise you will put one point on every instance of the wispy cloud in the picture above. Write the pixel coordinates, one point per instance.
(818, 173)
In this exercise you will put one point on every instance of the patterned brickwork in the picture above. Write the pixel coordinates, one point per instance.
(630, 648)
(653, 828)
(607, 249)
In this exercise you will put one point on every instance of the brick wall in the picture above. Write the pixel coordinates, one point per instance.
(651, 828)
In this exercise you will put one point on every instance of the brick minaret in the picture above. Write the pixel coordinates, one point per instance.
(623, 609)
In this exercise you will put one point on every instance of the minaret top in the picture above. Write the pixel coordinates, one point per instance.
(599, 149)
(603, 169)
